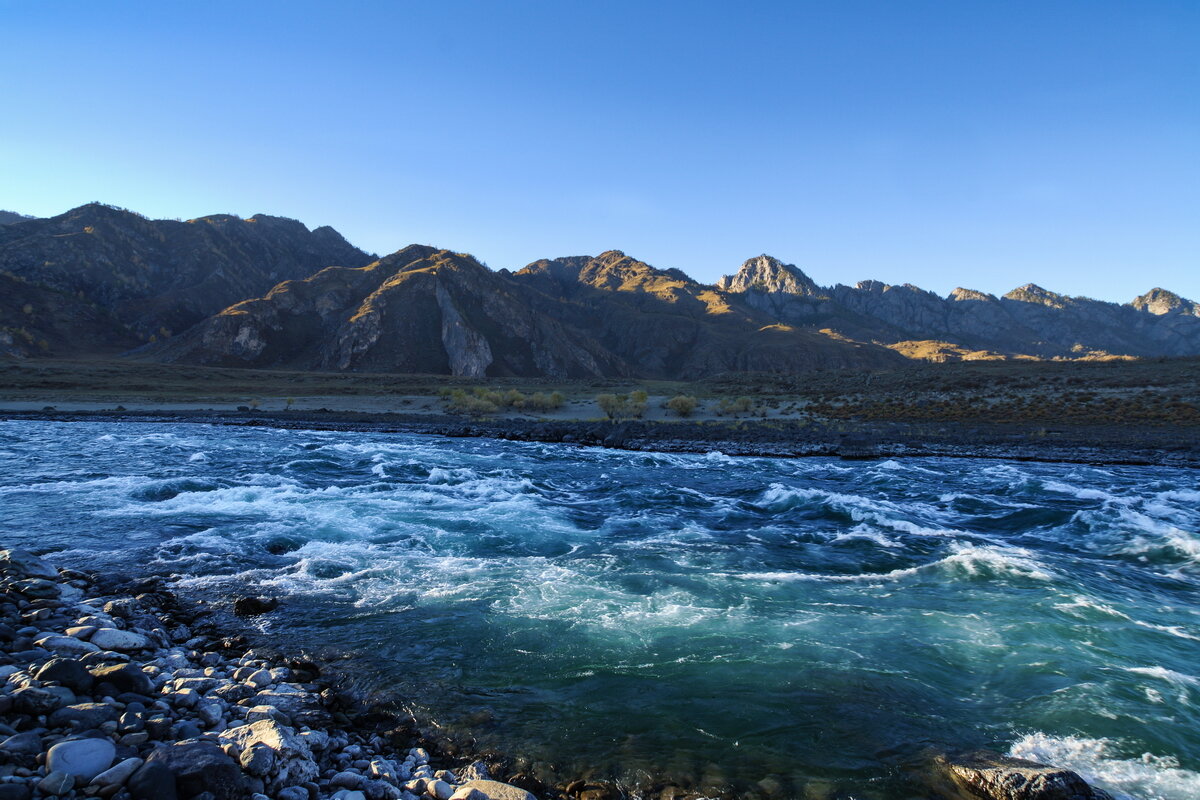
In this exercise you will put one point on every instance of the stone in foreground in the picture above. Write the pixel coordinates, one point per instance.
(992, 776)
(201, 767)
(490, 790)
(82, 759)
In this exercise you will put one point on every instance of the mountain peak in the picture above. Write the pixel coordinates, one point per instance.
(768, 274)
(1032, 293)
(1160, 301)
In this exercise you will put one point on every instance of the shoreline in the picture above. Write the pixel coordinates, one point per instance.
(152, 695)
(1099, 445)
(152, 669)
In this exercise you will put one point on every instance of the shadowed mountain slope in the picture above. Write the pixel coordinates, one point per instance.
(157, 277)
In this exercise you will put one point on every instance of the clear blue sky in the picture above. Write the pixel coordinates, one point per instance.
(984, 144)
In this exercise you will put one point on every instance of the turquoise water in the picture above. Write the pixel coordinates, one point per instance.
(713, 620)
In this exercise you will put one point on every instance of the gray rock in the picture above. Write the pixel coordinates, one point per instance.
(83, 759)
(382, 790)
(491, 790)
(266, 712)
(65, 671)
(124, 677)
(119, 774)
(83, 716)
(119, 640)
(292, 793)
(152, 782)
(993, 776)
(34, 701)
(258, 760)
(439, 790)
(201, 767)
(294, 762)
(347, 794)
(28, 743)
(24, 563)
(475, 771)
(15, 791)
(37, 588)
(67, 645)
(210, 711)
(56, 783)
(346, 780)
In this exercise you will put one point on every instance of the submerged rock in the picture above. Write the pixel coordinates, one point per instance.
(253, 606)
(992, 776)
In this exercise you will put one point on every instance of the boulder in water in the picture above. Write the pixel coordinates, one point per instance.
(992, 776)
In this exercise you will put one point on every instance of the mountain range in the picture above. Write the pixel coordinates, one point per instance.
(267, 292)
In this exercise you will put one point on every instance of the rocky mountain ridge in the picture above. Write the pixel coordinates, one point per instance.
(140, 279)
(268, 292)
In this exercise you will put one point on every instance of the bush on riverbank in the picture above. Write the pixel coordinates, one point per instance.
(623, 406)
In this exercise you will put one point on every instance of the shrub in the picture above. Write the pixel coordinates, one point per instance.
(682, 404)
(623, 406)
(540, 401)
(473, 404)
(742, 405)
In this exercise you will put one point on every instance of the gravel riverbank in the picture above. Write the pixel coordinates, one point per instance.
(123, 692)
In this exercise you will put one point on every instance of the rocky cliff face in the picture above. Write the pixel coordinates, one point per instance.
(158, 277)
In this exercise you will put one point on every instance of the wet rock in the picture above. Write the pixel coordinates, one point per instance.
(253, 606)
(65, 671)
(37, 588)
(24, 563)
(293, 793)
(201, 767)
(993, 776)
(82, 759)
(119, 640)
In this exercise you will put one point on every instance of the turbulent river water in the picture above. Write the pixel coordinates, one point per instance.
(813, 623)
